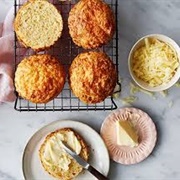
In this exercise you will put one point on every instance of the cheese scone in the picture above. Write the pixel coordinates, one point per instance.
(91, 23)
(92, 77)
(55, 160)
(38, 24)
(39, 78)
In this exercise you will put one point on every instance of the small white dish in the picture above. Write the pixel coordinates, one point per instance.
(143, 84)
(99, 157)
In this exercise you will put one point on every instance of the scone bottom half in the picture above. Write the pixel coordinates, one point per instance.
(55, 160)
(39, 78)
(91, 23)
(92, 77)
(38, 24)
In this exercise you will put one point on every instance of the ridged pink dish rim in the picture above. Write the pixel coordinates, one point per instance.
(147, 136)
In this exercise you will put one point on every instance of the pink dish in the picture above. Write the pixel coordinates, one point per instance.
(146, 131)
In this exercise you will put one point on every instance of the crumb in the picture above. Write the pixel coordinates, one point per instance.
(177, 84)
(170, 104)
(135, 89)
(164, 93)
(129, 99)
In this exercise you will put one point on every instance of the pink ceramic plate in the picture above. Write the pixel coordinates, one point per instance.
(146, 132)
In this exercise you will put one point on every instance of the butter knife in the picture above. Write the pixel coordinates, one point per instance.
(83, 163)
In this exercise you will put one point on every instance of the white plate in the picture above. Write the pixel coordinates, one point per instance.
(99, 157)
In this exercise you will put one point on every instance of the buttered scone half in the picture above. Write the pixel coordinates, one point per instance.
(92, 77)
(38, 24)
(91, 23)
(39, 78)
(55, 160)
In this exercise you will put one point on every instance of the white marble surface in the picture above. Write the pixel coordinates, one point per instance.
(136, 18)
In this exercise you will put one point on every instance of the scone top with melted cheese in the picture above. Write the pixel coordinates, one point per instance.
(39, 78)
(54, 158)
(91, 23)
(92, 77)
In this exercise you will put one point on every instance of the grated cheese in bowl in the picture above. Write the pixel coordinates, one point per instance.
(155, 63)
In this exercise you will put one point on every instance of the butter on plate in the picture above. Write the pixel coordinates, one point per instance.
(126, 134)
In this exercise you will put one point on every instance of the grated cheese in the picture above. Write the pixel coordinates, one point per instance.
(177, 84)
(129, 99)
(134, 89)
(164, 93)
(155, 63)
(170, 104)
(116, 95)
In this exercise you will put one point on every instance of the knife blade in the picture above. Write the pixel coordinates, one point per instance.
(83, 163)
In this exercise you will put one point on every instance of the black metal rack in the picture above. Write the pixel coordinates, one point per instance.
(66, 51)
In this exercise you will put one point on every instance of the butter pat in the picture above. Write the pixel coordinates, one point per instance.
(126, 134)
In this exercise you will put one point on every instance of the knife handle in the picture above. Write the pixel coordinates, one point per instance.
(96, 173)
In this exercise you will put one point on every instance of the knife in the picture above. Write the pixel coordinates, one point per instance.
(83, 163)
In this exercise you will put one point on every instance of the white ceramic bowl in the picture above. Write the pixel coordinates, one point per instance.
(143, 84)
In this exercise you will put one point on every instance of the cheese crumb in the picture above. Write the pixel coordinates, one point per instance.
(129, 99)
(170, 104)
(164, 93)
(177, 84)
(134, 89)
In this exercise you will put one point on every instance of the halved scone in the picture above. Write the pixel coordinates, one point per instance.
(38, 24)
(55, 160)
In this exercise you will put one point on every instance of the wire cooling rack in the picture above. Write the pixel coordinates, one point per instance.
(66, 51)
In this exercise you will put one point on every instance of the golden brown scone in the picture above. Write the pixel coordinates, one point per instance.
(39, 78)
(91, 23)
(38, 24)
(55, 160)
(92, 77)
